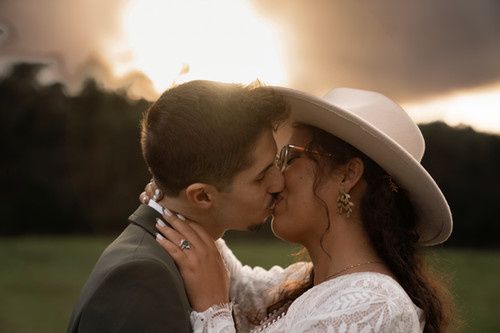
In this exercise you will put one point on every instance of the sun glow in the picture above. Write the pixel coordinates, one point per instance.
(478, 108)
(177, 41)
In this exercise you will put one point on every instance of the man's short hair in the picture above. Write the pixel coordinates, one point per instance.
(204, 131)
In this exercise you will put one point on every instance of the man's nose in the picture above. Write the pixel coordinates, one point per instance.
(276, 180)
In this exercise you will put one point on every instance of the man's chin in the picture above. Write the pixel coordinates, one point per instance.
(256, 227)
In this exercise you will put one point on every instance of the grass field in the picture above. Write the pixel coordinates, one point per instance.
(40, 279)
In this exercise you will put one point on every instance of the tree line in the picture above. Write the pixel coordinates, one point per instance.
(72, 164)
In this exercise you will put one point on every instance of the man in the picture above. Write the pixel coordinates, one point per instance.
(211, 151)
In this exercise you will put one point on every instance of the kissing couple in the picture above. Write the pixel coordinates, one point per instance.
(348, 186)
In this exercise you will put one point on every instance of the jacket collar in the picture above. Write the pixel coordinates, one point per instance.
(145, 217)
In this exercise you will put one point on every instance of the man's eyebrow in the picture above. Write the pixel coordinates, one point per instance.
(265, 169)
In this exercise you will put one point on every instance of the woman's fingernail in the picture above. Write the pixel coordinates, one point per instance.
(182, 218)
(160, 222)
(166, 212)
(157, 192)
(159, 237)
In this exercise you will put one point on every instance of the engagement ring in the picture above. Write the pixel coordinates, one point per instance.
(184, 244)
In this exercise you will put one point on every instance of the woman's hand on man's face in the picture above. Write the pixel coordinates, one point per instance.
(205, 276)
(204, 273)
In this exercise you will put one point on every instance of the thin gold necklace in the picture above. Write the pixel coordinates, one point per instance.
(351, 267)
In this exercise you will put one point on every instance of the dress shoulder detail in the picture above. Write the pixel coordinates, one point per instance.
(358, 302)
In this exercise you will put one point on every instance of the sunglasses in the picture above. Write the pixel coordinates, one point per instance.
(290, 152)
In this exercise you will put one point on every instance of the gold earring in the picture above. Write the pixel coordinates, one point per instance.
(344, 204)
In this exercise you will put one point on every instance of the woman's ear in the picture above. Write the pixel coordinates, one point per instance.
(200, 195)
(353, 171)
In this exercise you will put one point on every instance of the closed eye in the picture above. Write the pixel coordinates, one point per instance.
(292, 156)
(262, 174)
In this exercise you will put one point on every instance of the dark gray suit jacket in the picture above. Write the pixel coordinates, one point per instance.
(134, 287)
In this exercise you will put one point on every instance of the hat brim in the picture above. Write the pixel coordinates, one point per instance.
(434, 216)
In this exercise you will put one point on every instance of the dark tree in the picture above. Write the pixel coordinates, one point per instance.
(72, 164)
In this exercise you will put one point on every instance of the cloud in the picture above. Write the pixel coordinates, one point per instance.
(406, 49)
(70, 33)
(409, 50)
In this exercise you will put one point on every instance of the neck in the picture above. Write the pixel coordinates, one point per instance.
(199, 216)
(346, 249)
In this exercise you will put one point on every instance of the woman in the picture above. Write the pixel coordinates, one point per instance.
(357, 198)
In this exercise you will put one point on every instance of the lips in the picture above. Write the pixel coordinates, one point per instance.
(272, 204)
(276, 200)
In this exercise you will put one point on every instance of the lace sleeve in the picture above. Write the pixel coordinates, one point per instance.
(215, 319)
(252, 290)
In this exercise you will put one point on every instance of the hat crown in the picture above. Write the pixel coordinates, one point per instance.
(389, 118)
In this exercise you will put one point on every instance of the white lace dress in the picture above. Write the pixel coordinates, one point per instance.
(358, 302)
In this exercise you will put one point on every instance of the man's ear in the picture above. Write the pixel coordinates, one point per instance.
(353, 171)
(200, 195)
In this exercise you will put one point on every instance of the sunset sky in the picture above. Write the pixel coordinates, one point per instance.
(439, 59)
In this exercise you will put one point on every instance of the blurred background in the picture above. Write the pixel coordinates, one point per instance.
(76, 76)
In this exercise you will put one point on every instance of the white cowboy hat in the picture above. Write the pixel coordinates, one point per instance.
(383, 131)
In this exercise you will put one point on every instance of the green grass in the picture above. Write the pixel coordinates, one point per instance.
(40, 279)
(475, 284)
